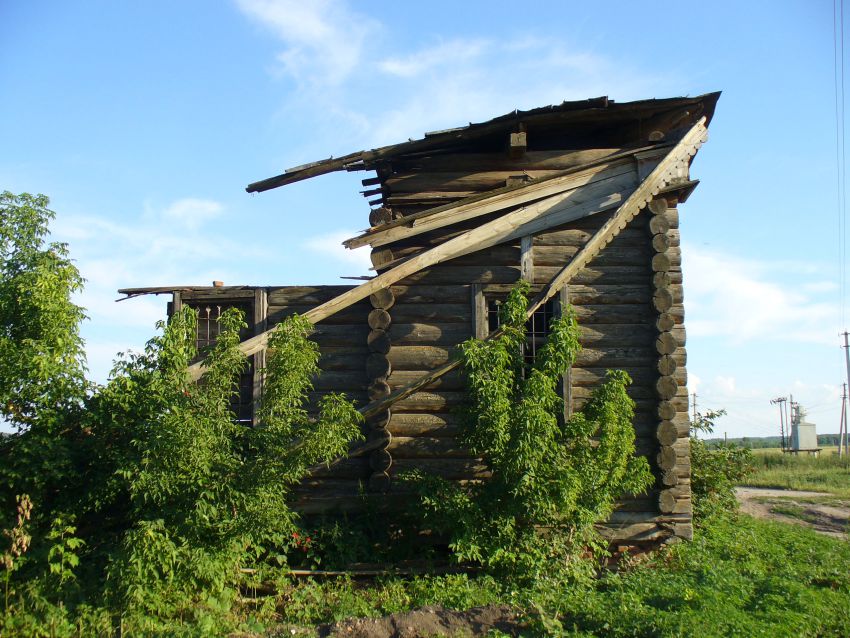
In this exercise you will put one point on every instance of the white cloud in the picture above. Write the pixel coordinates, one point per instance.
(324, 39)
(144, 250)
(191, 212)
(445, 53)
(330, 245)
(745, 299)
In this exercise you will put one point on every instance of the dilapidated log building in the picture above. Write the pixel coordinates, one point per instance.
(580, 199)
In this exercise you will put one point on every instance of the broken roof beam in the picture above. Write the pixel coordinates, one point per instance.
(492, 202)
(671, 167)
(545, 184)
(664, 175)
(578, 111)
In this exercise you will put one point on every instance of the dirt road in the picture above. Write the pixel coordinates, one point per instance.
(815, 510)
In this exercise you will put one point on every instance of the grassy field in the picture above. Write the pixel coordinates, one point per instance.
(825, 473)
(740, 577)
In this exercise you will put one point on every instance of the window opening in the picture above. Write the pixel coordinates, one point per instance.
(536, 328)
(242, 400)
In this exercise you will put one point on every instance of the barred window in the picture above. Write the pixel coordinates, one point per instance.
(242, 401)
(537, 327)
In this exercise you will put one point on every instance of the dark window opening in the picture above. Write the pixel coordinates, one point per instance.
(242, 401)
(536, 328)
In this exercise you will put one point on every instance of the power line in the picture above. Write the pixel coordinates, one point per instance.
(840, 155)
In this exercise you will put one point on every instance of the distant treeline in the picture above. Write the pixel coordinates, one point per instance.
(756, 442)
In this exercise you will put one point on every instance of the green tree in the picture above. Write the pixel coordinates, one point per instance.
(145, 486)
(552, 480)
(715, 469)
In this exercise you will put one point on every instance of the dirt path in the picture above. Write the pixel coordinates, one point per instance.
(428, 622)
(815, 510)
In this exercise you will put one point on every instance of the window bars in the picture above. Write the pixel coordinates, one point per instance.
(242, 401)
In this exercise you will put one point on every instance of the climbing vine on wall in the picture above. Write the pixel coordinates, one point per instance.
(551, 480)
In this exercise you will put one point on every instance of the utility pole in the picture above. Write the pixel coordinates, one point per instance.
(842, 426)
(694, 400)
(781, 402)
(847, 364)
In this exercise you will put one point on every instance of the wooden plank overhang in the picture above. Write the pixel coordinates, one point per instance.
(644, 115)
(522, 215)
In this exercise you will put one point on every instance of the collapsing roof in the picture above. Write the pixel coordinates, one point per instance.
(567, 117)
(651, 145)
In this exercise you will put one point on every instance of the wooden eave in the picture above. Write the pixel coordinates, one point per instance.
(584, 113)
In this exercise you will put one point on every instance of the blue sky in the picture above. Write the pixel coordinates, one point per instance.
(144, 122)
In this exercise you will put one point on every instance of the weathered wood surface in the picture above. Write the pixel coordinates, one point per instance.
(559, 185)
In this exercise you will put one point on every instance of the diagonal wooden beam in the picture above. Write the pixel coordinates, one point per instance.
(572, 204)
(672, 167)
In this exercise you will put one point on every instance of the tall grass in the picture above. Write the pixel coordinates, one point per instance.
(825, 473)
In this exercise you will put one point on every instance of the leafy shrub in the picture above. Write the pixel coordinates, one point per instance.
(552, 481)
(145, 486)
(715, 469)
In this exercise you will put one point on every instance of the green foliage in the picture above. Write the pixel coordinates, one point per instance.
(551, 480)
(715, 469)
(739, 577)
(825, 473)
(312, 602)
(148, 497)
(41, 352)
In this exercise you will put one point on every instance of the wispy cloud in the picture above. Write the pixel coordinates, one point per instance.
(323, 39)
(744, 300)
(142, 250)
(334, 51)
(330, 246)
(440, 55)
(192, 212)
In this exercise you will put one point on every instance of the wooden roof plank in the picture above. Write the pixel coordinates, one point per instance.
(483, 201)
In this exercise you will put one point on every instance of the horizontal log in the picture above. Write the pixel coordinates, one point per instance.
(450, 181)
(424, 294)
(599, 314)
(377, 366)
(453, 380)
(427, 447)
(666, 387)
(666, 458)
(378, 341)
(341, 381)
(618, 275)
(633, 532)
(353, 468)
(659, 225)
(657, 206)
(447, 274)
(403, 334)
(454, 469)
(414, 424)
(342, 357)
(379, 420)
(379, 319)
(418, 357)
(383, 299)
(532, 160)
(340, 335)
(435, 312)
(355, 315)
(443, 401)
(611, 294)
(611, 255)
(305, 295)
(648, 376)
(378, 389)
(380, 461)
(577, 237)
